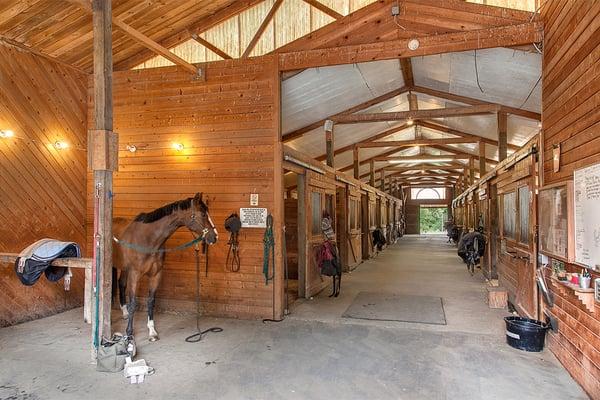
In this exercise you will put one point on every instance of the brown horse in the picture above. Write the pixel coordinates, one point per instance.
(141, 249)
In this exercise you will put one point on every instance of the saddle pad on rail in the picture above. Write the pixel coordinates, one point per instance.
(35, 260)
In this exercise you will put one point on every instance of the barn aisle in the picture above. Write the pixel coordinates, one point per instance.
(417, 265)
(304, 357)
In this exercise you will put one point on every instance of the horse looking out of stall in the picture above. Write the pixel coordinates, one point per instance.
(141, 249)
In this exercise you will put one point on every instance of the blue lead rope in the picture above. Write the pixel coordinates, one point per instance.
(268, 250)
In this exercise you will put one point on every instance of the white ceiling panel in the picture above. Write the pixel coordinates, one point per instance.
(317, 93)
(506, 76)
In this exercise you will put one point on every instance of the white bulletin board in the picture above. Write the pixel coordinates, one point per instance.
(587, 216)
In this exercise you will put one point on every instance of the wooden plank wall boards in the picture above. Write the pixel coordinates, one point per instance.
(42, 189)
(229, 152)
(570, 100)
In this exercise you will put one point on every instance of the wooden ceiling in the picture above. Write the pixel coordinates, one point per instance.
(63, 29)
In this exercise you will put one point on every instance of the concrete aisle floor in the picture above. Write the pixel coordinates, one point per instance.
(314, 354)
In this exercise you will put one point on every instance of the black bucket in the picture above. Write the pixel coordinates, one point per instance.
(525, 334)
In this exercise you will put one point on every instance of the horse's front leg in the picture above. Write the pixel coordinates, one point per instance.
(132, 282)
(153, 286)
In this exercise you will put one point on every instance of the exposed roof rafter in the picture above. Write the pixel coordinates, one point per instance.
(359, 107)
(417, 114)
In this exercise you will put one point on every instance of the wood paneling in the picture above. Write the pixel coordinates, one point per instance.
(64, 30)
(42, 189)
(229, 126)
(570, 99)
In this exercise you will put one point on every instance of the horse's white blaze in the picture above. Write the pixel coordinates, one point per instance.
(213, 226)
(125, 312)
(151, 331)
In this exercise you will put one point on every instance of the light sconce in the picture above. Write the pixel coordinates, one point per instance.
(413, 44)
(178, 146)
(131, 148)
(59, 145)
(540, 124)
(410, 121)
(6, 134)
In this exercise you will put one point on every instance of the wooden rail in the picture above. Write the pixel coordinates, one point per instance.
(84, 263)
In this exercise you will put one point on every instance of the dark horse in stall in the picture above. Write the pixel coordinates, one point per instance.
(141, 249)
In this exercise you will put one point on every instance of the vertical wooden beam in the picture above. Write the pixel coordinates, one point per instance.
(372, 173)
(356, 159)
(502, 135)
(303, 203)
(482, 159)
(382, 179)
(329, 144)
(471, 170)
(103, 178)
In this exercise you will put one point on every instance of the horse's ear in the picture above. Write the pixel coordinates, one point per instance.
(198, 197)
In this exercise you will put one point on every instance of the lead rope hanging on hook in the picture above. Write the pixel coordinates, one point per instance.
(268, 250)
(196, 337)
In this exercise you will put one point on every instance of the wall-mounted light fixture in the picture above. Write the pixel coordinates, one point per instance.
(60, 145)
(410, 121)
(413, 44)
(6, 134)
(131, 148)
(178, 146)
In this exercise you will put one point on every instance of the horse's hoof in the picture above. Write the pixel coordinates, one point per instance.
(153, 338)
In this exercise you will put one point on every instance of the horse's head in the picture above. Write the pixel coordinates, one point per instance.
(199, 220)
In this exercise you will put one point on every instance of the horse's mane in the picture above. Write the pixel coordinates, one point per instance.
(168, 209)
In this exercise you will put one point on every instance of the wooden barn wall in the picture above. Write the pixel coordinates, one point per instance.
(42, 189)
(229, 126)
(412, 210)
(570, 98)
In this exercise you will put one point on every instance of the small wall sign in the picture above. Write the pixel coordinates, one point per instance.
(253, 217)
(254, 199)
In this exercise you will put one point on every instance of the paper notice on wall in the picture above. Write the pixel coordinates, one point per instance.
(587, 216)
(253, 217)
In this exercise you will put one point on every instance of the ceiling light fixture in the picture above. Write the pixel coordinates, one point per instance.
(6, 134)
(60, 145)
(131, 148)
(413, 44)
(410, 121)
(178, 146)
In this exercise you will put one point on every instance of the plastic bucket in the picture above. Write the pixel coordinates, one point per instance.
(525, 334)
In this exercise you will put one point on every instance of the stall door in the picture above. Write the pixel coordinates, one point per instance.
(365, 227)
(525, 252)
(341, 212)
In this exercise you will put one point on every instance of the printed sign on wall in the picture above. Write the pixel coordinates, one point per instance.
(253, 217)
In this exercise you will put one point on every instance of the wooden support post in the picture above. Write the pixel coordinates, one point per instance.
(329, 144)
(372, 174)
(356, 162)
(471, 170)
(502, 135)
(465, 176)
(103, 174)
(382, 179)
(481, 159)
